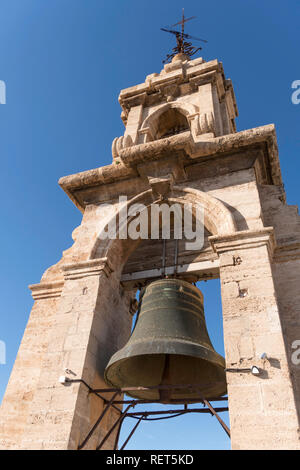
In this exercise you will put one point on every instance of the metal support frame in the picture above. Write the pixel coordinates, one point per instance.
(145, 415)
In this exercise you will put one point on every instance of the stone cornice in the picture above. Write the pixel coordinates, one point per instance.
(203, 148)
(46, 290)
(132, 156)
(95, 177)
(188, 71)
(244, 240)
(91, 267)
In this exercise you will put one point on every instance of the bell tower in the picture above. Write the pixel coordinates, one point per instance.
(179, 145)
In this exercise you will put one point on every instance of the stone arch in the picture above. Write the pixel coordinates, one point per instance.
(171, 122)
(217, 219)
(151, 122)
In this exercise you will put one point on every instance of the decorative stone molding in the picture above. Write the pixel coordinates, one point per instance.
(205, 123)
(147, 132)
(119, 143)
(170, 91)
(182, 73)
(171, 165)
(161, 186)
(196, 148)
(46, 290)
(243, 240)
(136, 154)
(91, 267)
(217, 217)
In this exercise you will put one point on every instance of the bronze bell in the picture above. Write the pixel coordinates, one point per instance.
(169, 346)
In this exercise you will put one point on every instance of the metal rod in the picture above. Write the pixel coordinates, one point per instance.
(131, 434)
(176, 256)
(157, 387)
(214, 412)
(189, 410)
(98, 421)
(144, 414)
(174, 401)
(113, 427)
(164, 257)
(94, 391)
(119, 432)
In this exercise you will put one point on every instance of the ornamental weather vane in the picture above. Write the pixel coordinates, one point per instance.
(182, 46)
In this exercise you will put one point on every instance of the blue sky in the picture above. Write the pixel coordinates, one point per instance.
(64, 63)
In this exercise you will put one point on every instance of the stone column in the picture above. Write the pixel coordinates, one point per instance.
(27, 368)
(90, 324)
(286, 277)
(262, 408)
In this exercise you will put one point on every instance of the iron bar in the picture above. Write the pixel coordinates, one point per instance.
(189, 410)
(98, 421)
(121, 417)
(176, 256)
(173, 401)
(144, 415)
(164, 257)
(119, 432)
(214, 412)
(155, 387)
(91, 390)
(131, 434)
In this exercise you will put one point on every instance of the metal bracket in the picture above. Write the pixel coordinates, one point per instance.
(145, 415)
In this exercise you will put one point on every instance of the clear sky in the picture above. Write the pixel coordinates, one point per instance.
(64, 63)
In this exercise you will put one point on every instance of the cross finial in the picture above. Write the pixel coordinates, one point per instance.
(182, 46)
(183, 21)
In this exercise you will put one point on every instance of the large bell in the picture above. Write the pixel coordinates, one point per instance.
(169, 346)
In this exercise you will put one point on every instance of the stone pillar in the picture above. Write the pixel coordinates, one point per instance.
(286, 277)
(262, 408)
(90, 324)
(27, 368)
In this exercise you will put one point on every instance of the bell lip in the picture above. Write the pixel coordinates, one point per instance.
(129, 352)
(208, 394)
(175, 347)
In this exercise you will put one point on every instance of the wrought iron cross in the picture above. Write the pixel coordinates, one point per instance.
(182, 46)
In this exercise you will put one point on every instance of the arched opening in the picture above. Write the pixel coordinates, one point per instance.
(169, 119)
(159, 255)
(218, 219)
(122, 255)
(171, 122)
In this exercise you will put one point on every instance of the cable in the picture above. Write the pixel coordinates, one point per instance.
(157, 419)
